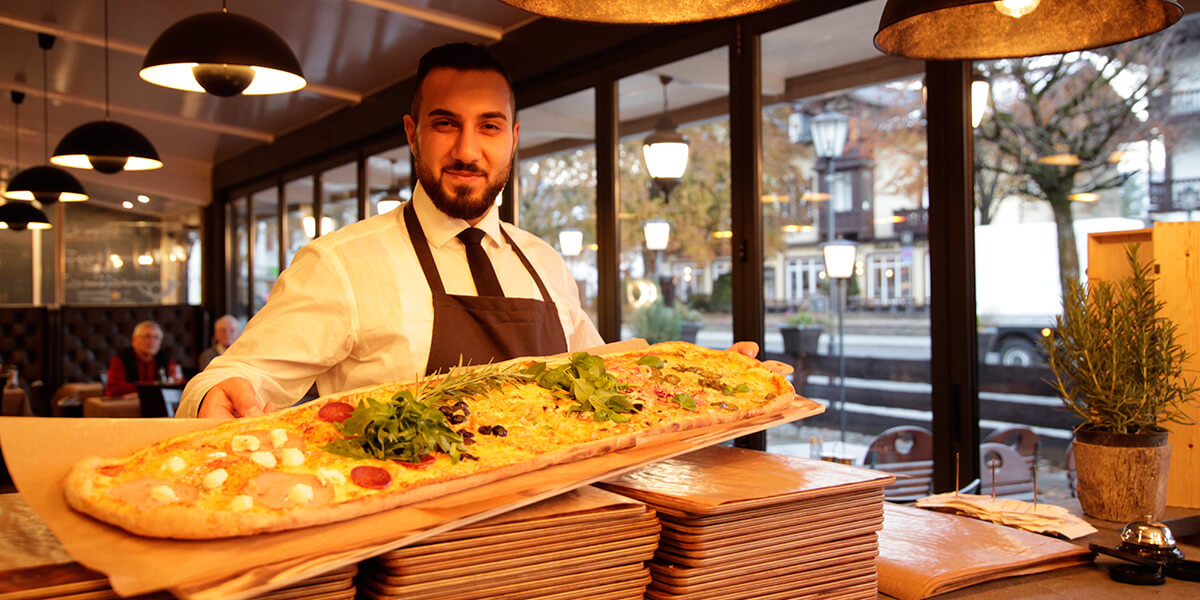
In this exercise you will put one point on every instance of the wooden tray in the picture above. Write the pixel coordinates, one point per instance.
(720, 479)
(73, 581)
(866, 508)
(526, 544)
(271, 561)
(681, 575)
(755, 533)
(520, 584)
(817, 581)
(775, 572)
(814, 538)
(771, 511)
(866, 589)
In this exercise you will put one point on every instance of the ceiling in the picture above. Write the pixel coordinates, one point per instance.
(347, 48)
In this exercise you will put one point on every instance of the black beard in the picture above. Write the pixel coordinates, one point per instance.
(461, 205)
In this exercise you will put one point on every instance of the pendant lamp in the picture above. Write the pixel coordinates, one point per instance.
(45, 183)
(222, 54)
(641, 11)
(983, 29)
(106, 146)
(666, 150)
(19, 216)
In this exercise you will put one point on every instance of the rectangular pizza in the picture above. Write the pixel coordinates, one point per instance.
(375, 448)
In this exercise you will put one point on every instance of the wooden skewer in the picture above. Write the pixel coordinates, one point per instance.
(992, 464)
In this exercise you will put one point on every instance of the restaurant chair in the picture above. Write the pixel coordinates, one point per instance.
(1013, 475)
(1019, 438)
(122, 407)
(907, 452)
(68, 400)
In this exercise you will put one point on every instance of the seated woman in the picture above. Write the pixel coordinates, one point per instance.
(139, 363)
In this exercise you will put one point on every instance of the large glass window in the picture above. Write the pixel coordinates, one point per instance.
(873, 181)
(239, 258)
(1069, 145)
(388, 180)
(557, 184)
(339, 198)
(301, 227)
(266, 244)
(678, 290)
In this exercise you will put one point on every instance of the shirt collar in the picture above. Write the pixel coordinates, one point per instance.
(440, 228)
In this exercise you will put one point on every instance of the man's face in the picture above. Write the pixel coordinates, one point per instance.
(147, 341)
(463, 140)
(225, 332)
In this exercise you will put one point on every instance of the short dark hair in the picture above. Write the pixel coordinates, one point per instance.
(459, 56)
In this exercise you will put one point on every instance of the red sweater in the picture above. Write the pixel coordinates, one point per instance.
(118, 385)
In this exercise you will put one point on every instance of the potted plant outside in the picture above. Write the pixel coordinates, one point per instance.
(1117, 364)
(690, 322)
(801, 334)
(656, 323)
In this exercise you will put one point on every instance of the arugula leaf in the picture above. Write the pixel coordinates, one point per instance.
(733, 391)
(650, 360)
(685, 401)
(585, 380)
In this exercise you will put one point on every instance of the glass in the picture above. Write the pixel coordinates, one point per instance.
(298, 193)
(266, 244)
(557, 184)
(239, 261)
(388, 180)
(117, 257)
(684, 291)
(1123, 158)
(339, 198)
(876, 190)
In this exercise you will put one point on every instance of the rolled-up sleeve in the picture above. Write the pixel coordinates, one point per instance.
(307, 326)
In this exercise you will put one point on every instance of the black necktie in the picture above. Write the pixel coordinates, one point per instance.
(486, 283)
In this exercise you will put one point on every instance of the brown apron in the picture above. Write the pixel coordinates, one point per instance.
(481, 329)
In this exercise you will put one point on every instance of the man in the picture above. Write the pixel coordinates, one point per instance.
(139, 363)
(225, 330)
(411, 291)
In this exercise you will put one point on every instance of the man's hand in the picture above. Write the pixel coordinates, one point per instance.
(751, 349)
(233, 397)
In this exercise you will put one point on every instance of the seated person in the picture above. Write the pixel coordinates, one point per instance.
(140, 363)
(225, 330)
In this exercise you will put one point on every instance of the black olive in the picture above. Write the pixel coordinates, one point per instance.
(467, 441)
(499, 430)
(456, 419)
(467, 433)
(485, 430)
(638, 406)
(460, 405)
(446, 410)
(466, 456)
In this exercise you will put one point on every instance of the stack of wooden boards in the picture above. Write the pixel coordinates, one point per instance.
(72, 581)
(583, 545)
(739, 523)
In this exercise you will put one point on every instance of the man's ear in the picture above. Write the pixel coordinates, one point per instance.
(516, 133)
(410, 129)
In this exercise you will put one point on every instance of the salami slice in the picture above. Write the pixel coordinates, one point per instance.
(335, 412)
(375, 478)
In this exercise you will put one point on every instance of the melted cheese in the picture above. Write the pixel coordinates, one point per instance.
(300, 494)
(241, 503)
(264, 458)
(244, 443)
(215, 479)
(175, 464)
(291, 457)
(330, 476)
(279, 437)
(164, 494)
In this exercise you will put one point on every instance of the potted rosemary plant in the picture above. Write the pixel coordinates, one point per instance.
(1118, 365)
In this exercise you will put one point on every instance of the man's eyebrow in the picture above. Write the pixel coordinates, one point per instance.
(441, 112)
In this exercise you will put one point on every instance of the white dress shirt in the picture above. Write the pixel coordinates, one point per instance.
(353, 309)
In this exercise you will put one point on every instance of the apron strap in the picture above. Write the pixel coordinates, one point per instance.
(421, 246)
(528, 267)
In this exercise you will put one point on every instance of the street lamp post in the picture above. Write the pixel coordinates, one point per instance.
(839, 267)
(829, 131)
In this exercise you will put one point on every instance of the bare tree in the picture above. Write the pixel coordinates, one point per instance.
(1079, 107)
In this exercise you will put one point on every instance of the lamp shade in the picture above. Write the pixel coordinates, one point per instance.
(45, 184)
(570, 241)
(982, 29)
(839, 258)
(829, 131)
(642, 11)
(657, 232)
(106, 146)
(223, 54)
(980, 88)
(19, 216)
(665, 151)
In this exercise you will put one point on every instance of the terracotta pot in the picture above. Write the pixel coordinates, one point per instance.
(1122, 477)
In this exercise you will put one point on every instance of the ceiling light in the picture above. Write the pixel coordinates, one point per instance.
(641, 11)
(1060, 159)
(1085, 197)
(814, 196)
(223, 54)
(116, 261)
(791, 228)
(980, 90)
(144, 199)
(983, 29)
(106, 146)
(723, 234)
(44, 183)
(127, 205)
(19, 216)
(666, 150)
(145, 260)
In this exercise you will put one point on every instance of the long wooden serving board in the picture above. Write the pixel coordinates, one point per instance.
(201, 570)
